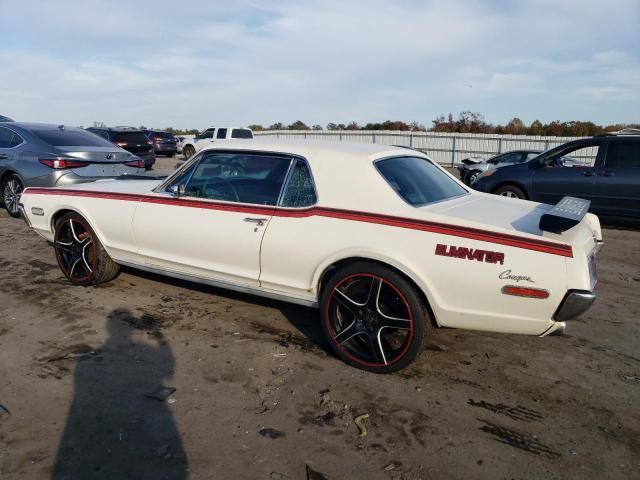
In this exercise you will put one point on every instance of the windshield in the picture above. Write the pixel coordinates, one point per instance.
(418, 181)
(71, 138)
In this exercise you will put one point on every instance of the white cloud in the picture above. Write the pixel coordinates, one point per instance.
(193, 64)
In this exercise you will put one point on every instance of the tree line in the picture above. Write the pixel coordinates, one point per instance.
(466, 122)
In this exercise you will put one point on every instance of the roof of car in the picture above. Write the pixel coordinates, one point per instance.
(315, 149)
(118, 129)
(39, 126)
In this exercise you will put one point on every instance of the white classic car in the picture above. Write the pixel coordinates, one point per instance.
(381, 239)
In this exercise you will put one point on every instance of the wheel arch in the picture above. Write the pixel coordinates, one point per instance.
(8, 173)
(331, 267)
(63, 210)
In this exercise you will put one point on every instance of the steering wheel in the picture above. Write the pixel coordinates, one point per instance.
(226, 184)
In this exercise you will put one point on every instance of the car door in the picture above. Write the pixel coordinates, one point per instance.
(566, 171)
(204, 139)
(214, 228)
(618, 180)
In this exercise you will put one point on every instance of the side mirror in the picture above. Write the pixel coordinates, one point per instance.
(177, 190)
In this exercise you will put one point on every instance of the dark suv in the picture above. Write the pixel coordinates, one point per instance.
(132, 140)
(604, 169)
(163, 142)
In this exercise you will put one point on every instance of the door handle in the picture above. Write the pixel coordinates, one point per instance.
(608, 173)
(3, 156)
(588, 173)
(258, 221)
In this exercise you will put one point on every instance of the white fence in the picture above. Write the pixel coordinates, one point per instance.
(444, 148)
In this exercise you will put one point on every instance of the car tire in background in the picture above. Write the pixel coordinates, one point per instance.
(510, 191)
(80, 254)
(471, 176)
(373, 317)
(11, 189)
(188, 152)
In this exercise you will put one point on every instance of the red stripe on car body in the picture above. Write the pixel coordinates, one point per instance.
(510, 240)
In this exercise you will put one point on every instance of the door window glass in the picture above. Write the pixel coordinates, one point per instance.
(222, 133)
(574, 156)
(508, 158)
(299, 190)
(239, 177)
(208, 133)
(623, 154)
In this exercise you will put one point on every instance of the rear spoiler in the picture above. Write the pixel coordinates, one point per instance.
(567, 213)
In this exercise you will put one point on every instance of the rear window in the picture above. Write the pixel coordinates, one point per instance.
(241, 133)
(624, 154)
(71, 138)
(130, 137)
(418, 181)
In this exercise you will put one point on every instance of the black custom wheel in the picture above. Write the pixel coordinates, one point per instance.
(80, 254)
(11, 191)
(510, 191)
(373, 317)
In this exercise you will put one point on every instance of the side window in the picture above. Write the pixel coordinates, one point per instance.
(15, 140)
(510, 158)
(623, 154)
(6, 136)
(182, 176)
(531, 155)
(575, 156)
(208, 133)
(222, 133)
(239, 177)
(299, 190)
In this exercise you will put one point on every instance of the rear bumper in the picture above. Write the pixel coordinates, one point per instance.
(574, 304)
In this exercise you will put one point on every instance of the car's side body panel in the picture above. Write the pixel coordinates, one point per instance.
(460, 265)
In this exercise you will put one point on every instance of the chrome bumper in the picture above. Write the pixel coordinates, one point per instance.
(575, 303)
(23, 214)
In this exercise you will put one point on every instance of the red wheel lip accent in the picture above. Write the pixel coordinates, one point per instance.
(332, 334)
(87, 277)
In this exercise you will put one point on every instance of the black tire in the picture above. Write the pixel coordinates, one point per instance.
(188, 152)
(510, 191)
(471, 176)
(371, 323)
(11, 189)
(80, 255)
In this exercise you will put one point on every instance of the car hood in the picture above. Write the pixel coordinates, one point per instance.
(491, 210)
(124, 184)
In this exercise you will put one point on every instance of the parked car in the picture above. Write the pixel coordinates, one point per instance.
(179, 143)
(379, 238)
(471, 168)
(5, 119)
(164, 143)
(42, 155)
(204, 139)
(604, 169)
(131, 139)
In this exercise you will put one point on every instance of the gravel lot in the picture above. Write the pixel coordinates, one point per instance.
(77, 366)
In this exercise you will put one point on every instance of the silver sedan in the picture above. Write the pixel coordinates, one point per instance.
(43, 155)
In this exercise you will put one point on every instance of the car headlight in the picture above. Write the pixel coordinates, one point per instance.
(485, 174)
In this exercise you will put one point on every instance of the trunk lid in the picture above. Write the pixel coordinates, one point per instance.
(102, 161)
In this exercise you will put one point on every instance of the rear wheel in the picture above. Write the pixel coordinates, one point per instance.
(374, 318)
(11, 190)
(510, 191)
(81, 256)
(188, 152)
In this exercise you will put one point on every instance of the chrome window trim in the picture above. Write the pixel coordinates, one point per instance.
(23, 142)
(427, 159)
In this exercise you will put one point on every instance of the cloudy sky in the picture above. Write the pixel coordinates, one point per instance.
(189, 64)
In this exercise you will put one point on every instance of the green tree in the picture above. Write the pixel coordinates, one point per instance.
(256, 127)
(298, 125)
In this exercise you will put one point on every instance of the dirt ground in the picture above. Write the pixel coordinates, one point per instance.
(79, 368)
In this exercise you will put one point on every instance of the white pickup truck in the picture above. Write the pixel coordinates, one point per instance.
(205, 138)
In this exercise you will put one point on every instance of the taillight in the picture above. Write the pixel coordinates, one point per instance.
(120, 144)
(157, 139)
(135, 163)
(62, 163)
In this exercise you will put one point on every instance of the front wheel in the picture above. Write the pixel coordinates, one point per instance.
(188, 152)
(510, 191)
(81, 256)
(11, 190)
(472, 177)
(373, 317)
